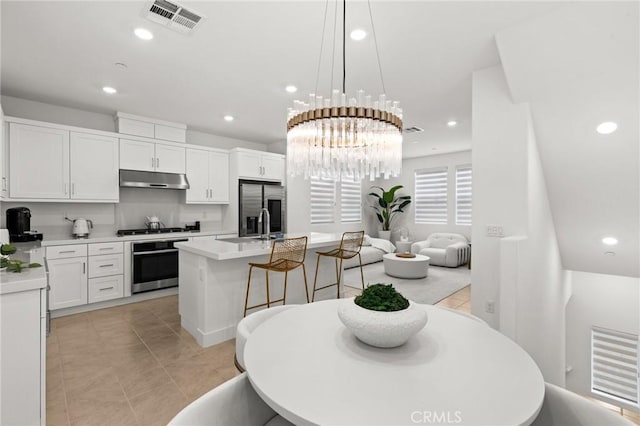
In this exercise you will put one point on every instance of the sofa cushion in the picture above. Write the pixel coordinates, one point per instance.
(437, 255)
(368, 254)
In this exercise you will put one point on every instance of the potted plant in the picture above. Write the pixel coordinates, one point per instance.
(382, 317)
(387, 206)
(13, 265)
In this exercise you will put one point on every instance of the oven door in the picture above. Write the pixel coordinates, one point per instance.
(154, 266)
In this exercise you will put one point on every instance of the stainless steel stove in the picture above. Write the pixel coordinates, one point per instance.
(146, 231)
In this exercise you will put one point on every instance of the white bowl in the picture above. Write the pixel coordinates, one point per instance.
(382, 329)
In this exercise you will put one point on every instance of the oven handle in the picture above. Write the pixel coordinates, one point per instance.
(155, 252)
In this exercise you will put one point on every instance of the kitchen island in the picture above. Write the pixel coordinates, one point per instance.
(213, 282)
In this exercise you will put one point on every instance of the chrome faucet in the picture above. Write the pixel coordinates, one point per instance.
(266, 236)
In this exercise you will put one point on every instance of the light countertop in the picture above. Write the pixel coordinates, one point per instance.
(101, 236)
(28, 279)
(225, 250)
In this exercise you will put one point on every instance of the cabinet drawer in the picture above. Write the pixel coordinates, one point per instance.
(105, 248)
(71, 250)
(105, 288)
(107, 264)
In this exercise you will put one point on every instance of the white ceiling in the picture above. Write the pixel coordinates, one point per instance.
(245, 53)
(578, 67)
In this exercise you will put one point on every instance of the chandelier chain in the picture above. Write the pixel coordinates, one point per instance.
(333, 42)
(344, 44)
(375, 42)
(324, 24)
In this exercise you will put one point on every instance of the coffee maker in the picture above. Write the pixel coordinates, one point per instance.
(19, 226)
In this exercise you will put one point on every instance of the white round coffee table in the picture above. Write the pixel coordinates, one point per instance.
(406, 267)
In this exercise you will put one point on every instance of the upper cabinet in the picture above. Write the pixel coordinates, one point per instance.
(51, 163)
(136, 125)
(4, 157)
(259, 165)
(151, 156)
(208, 175)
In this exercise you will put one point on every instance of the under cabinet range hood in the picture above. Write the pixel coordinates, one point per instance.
(140, 179)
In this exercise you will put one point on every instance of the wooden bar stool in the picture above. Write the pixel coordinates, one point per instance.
(349, 247)
(286, 255)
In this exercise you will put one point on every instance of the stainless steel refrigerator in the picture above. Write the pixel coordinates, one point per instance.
(256, 195)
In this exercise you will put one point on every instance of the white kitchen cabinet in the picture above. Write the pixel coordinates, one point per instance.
(4, 156)
(137, 155)
(105, 288)
(259, 165)
(151, 156)
(39, 162)
(208, 175)
(68, 282)
(94, 167)
(170, 158)
(22, 357)
(105, 265)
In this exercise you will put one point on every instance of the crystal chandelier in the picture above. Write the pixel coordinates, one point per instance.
(337, 138)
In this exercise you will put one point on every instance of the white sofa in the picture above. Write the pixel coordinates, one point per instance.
(444, 249)
(371, 252)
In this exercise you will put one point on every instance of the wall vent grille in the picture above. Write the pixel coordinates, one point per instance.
(173, 15)
(614, 365)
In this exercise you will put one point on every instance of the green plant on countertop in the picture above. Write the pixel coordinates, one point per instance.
(381, 297)
(388, 205)
(13, 265)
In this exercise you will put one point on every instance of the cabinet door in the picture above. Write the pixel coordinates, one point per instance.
(250, 165)
(198, 176)
(219, 177)
(4, 160)
(68, 281)
(94, 167)
(137, 155)
(39, 159)
(170, 158)
(273, 168)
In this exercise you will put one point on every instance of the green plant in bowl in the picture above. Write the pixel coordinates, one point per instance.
(381, 297)
(13, 265)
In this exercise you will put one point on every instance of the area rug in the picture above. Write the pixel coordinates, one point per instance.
(439, 284)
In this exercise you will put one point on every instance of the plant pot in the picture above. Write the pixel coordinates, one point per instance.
(382, 329)
(385, 235)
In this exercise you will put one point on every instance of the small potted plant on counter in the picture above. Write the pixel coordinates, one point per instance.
(382, 317)
(13, 265)
(387, 205)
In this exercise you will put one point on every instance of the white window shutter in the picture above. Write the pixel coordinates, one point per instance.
(430, 201)
(463, 195)
(350, 200)
(614, 365)
(323, 200)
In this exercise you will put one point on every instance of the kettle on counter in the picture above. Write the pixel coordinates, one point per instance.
(81, 227)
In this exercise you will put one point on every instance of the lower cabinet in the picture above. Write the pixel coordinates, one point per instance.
(68, 282)
(77, 276)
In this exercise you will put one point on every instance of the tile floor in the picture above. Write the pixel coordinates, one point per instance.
(135, 365)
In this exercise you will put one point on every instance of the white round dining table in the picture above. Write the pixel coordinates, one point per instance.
(310, 369)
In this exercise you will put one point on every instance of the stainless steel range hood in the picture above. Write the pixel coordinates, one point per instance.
(139, 179)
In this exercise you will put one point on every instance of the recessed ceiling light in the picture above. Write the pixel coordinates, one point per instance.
(143, 33)
(452, 123)
(606, 128)
(358, 34)
(120, 65)
(610, 241)
(109, 90)
(610, 253)
(228, 118)
(291, 89)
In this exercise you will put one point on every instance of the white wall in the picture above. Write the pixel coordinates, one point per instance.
(607, 301)
(526, 279)
(418, 232)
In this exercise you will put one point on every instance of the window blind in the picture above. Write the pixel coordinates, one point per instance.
(323, 196)
(350, 200)
(431, 196)
(463, 195)
(614, 365)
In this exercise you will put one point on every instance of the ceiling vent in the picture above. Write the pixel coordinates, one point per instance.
(413, 129)
(173, 15)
